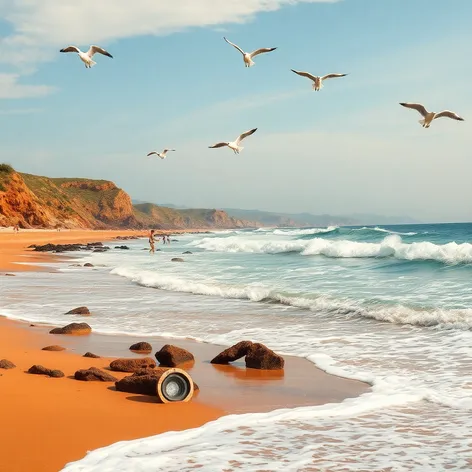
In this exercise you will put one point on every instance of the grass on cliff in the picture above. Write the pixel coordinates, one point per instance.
(5, 171)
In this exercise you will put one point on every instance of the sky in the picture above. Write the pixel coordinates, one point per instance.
(174, 82)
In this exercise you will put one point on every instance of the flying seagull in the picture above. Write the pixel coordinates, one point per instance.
(247, 56)
(86, 57)
(429, 116)
(162, 154)
(234, 145)
(317, 81)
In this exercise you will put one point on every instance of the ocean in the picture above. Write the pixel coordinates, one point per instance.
(390, 305)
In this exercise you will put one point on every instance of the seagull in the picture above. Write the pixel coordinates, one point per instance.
(247, 56)
(86, 57)
(317, 81)
(234, 145)
(162, 154)
(429, 116)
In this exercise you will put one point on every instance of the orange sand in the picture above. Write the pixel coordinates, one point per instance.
(48, 422)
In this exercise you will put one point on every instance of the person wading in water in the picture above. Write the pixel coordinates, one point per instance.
(151, 241)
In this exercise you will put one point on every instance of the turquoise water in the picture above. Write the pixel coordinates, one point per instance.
(390, 305)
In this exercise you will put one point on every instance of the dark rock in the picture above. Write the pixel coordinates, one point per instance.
(121, 247)
(172, 356)
(91, 354)
(98, 243)
(93, 374)
(125, 238)
(10, 275)
(55, 347)
(100, 249)
(41, 370)
(141, 347)
(58, 247)
(81, 310)
(132, 365)
(187, 252)
(261, 357)
(6, 364)
(75, 265)
(232, 353)
(177, 259)
(73, 328)
(175, 240)
(88, 265)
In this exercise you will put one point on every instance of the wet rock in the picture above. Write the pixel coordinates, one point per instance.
(41, 370)
(95, 244)
(100, 249)
(58, 247)
(10, 275)
(261, 357)
(172, 356)
(55, 347)
(91, 354)
(121, 247)
(6, 364)
(81, 310)
(88, 265)
(177, 259)
(73, 328)
(187, 252)
(132, 365)
(233, 353)
(142, 347)
(93, 374)
(75, 265)
(125, 238)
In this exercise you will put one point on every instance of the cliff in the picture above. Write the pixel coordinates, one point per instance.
(43, 202)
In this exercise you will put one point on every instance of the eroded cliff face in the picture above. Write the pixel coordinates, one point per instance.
(36, 201)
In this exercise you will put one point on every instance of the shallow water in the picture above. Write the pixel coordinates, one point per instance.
(391, 306)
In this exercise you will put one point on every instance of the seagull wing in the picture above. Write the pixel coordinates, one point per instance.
(234, 46)
(151, 153)
(304, 74)
(448, 114)
(70, 49)
(218, 145)
(245, 135)
(416, 106)
(94, 49)
(261, 51)
(332, 76)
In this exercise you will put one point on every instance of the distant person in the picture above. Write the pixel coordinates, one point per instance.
(151, 241)
(168, 239)
(16, 229)
(164, 239)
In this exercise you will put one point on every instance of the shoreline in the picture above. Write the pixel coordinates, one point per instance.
(81, 416)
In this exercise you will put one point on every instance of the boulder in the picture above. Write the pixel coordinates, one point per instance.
(172, 356)
(121, 247)
(87, 264)
(187, 252)
(41, 370)
(6, 364)
(261, 357)
(177, 259)
(55, 347)
(93, 374)
(233, 353)
(142, 347)
(81, 310)
(91, 354)
(73, 328)
(132, 365)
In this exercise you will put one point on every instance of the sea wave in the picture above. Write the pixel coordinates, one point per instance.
(398, 314)
(305, 232)
(391, 246)
(383, 230)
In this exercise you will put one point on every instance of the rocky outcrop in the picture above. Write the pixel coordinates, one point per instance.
(81, 310)
(55, 347)
(6, 364)
(73, 328)
(41, 370)
(92, 355)
(233, 353)
(132, 365)
(172, 356)
(261, 357)
(93, 374)
(177, 259)
(141, 347)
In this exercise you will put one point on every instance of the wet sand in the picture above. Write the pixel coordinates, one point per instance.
(47, 422)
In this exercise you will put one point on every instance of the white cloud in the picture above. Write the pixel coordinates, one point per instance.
(11, 88)
(40, 26)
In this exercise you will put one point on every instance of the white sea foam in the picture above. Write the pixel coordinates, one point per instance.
(391, 246)
(383, 230)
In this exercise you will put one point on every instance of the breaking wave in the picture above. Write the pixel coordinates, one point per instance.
(305, 232)
(383, 230)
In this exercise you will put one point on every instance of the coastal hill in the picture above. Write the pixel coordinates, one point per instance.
(33, 201)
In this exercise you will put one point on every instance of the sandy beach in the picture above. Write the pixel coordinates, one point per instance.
(57, 420)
